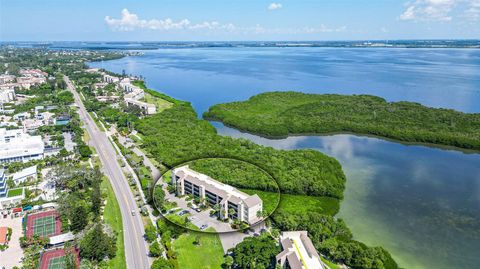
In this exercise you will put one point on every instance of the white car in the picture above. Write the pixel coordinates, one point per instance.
(133, 212)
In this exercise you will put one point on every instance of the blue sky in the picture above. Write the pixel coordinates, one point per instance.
(160, 20)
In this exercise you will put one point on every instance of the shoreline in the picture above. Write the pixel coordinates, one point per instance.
(405, 143)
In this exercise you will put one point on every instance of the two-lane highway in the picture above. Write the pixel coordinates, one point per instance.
(135, 245)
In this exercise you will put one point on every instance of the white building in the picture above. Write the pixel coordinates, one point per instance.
(7, 94)
(237, 204)
(7, 79)
(7, 199)
(27, 174)
(133, 96)
(22, 116)
(6, 121)
(146, 107)
(30, 125)
(33, 73)
(110, 79)
(16, 145)
(298, 252)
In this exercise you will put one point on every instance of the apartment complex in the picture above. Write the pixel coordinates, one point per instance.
(298, 252)
(235, 204)
(133, 94)
(17, 145)
(9, 199)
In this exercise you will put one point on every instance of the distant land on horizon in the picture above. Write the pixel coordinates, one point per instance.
(141, 45)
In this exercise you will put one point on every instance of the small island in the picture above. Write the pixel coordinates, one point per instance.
(279, 114)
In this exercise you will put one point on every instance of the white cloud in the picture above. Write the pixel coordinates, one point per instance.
(441, 10)
(130, 22)
(429, 10)
(275, 6)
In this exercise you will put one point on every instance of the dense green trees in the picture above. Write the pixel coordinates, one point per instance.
(79, 219)
(176, 135)
(150, 233)
(279, 114)
(79, 205)
(236, 173)
(161, 263)
(85, 151)
(97, 244)
(255, 252)
(155, 249)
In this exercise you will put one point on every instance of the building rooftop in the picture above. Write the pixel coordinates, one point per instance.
(61, 238)
(17, 143)
(299, 251)
(3, 235)
(218, 187)
(25, 172)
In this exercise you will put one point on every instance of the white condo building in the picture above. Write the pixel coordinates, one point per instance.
(110, 79)
(133, 96)
(7, 94)
(244, 207)
(298, 252)
(16, 146)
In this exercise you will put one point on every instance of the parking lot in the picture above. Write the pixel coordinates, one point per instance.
(199, 218)
(12, 256)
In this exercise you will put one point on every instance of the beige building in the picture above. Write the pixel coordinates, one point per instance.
(235, 204)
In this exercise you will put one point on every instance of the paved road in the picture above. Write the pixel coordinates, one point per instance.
(135, 246)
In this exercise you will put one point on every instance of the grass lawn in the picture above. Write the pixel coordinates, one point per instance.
(135, 158)
(86, 136)
(160, 103)
(297, 203)
(304, 203)
(95, 119)
(15, 192)
(167, 177)
(113, 217)
(208, 254)
(180, 220)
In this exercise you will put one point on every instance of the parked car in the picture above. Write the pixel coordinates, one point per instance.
(203, 227)
(183, 212)
(133, 212)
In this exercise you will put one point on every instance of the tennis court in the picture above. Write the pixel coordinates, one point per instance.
(56, 263)
(55, 259)
(44, 224)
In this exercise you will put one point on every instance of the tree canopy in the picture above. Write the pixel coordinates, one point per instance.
(280, 114)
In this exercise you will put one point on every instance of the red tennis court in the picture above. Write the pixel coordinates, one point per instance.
(55, 259)
(44, 224)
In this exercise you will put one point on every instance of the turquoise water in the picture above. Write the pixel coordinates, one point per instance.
(420, 203)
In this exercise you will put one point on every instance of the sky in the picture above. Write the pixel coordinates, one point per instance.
(234, 20)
